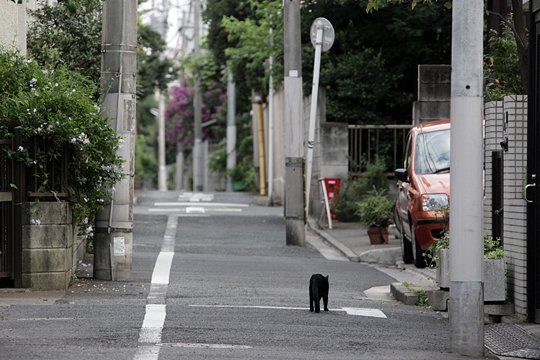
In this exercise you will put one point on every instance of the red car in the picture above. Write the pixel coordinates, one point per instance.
(424, 190)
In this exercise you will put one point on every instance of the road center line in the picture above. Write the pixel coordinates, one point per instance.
(156, 310)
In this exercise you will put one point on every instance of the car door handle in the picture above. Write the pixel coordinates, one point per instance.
(525, 192)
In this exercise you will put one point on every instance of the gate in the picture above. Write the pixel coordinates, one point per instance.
(7, 215)
(369, 142)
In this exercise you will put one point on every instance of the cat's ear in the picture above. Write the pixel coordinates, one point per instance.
(327, 277)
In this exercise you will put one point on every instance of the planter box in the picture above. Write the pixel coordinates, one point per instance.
(494, 276)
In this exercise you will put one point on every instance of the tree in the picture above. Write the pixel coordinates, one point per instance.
(255, 36)
(69, 33)
(370, 73)
(516, 23)
(56, 105)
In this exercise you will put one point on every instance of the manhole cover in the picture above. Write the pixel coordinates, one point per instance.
(511, 340)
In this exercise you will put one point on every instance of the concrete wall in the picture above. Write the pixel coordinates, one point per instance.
(13, 24)
(509, 119)
(433, 93)
(329, 153)
(48, 245)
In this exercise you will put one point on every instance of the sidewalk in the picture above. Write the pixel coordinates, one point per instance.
(505, 340)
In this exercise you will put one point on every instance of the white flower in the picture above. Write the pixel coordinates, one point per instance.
(35, 222)
(20, 149)
(33, 82)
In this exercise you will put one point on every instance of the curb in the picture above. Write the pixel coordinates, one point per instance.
(348, 253)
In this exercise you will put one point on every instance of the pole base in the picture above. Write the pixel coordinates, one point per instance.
(466, 314)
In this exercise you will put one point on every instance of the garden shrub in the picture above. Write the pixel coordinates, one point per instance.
(58, 105)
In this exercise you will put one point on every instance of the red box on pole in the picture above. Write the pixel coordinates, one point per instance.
(332, 190)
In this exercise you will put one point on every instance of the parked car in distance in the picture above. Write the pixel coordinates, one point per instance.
(421, 211)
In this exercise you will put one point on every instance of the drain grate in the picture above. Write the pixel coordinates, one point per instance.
(511, 340)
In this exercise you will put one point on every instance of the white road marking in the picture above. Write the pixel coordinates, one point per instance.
(195, 197)
(209, 204)
(156, 312)
(47, 319)
(153, 322)
(162, 268)
(192, 210)
(206, 346)
(350, 311)
(365, 312)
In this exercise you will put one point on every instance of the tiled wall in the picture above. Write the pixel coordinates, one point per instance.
(509, 119)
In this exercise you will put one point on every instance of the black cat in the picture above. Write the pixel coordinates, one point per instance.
(318, 288)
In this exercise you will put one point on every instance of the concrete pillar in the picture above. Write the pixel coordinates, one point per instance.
(114, 225)
(466, 311)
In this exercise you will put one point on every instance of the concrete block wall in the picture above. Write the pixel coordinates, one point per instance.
(48, 250)
(330, 151)
(509, 119)
(433, 93)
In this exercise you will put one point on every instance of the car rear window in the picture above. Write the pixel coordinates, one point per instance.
(432, 152)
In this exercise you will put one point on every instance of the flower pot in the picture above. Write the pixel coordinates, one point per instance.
(384, 234)
(375, 235)
(239, 185)
(494, 276)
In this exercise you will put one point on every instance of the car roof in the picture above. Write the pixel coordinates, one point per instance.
(432, 126)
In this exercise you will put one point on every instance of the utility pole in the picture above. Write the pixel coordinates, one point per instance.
(231, 127)
(466, 309)
(294, 128)
(198, 156)
(113, 242)
(162, 169)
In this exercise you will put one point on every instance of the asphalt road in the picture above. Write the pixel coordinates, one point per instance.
(215, 280)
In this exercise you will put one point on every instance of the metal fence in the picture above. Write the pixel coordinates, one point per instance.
(368, 143)
(44, 179)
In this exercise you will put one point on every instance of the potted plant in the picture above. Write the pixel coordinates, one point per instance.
(493, 266)
(345, 204)
(375, 211)
(238, 178)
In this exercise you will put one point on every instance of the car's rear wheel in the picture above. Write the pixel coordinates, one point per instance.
(418, 253)
(406, 248)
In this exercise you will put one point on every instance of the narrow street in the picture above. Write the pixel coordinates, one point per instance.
(214, 280)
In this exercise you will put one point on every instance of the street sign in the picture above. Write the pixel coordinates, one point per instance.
(328, 33)
(322, 37)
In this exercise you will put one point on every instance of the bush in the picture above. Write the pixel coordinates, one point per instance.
(345, 204)
(492, 249)
(376, 209)
(57, 105)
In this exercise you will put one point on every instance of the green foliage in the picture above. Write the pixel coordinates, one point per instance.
(153, 68)
(58, 105)
(146, 166)
(376, 209)
(492, 249)
(501, 66)
(341, 74)
(345, 204)
(373, 177)
(257, 38)
(370, 72)
(67, 34)
(218, 160)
